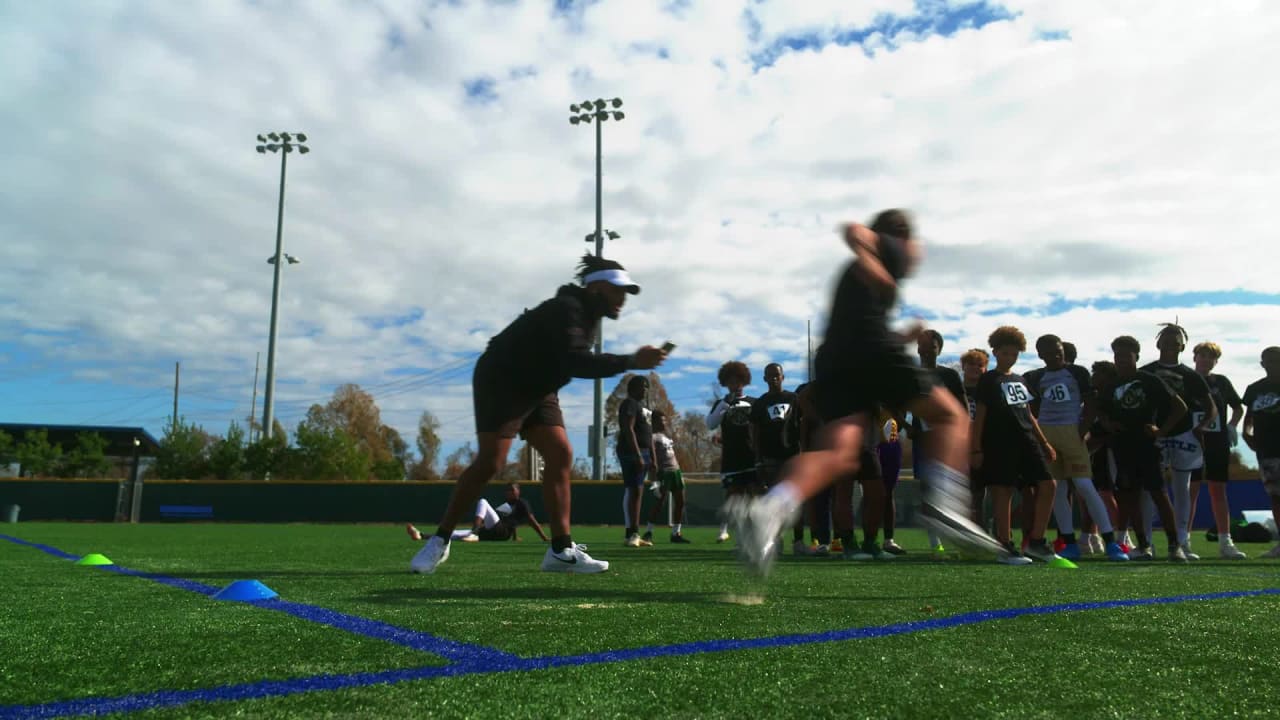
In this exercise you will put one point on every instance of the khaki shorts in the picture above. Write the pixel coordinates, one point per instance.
(1073, 456)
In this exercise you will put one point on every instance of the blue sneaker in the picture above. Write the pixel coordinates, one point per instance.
(1116, 553)
(1070, 551)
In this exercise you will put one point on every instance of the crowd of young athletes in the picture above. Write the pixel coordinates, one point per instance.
(1121, 442)
(1104, 437)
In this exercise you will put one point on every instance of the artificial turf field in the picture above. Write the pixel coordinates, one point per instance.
(353, 634)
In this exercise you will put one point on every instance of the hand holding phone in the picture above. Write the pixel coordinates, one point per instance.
(668, 346)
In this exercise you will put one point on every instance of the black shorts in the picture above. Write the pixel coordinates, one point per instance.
(1018, 464)
(869, 466)
(1139, 466)
(739, 479)
(502, 407)
(1103, 465)
(1217, 460)
(887, 378)
(497, 532)
(635, 468)
(767, 471)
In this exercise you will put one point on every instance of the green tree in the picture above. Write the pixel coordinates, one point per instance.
(36, 456)
(88, 458)
(184, 452)
(326, 452)
(227, 454)
(7, 456)
(271, 457)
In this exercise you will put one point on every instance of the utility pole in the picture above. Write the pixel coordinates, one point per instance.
(253, 404)
(176, 365)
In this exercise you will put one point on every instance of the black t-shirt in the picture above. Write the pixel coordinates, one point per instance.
(1098, 458)
(1189, 386)
(735, 439)
(1263, 400)
(769, 415)
(1008, 402)
(1141, 400)
(1224, 397)
(628, 409)
(857, 327)
(951, 380)
(520, 514)
(971, 401)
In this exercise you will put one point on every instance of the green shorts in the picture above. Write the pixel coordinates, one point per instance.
(671, 479)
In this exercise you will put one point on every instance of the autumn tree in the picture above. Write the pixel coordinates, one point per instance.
(355, 412)
(694, 449)
(428, 448)
(656, 400)
(457, 461)
(396, 466)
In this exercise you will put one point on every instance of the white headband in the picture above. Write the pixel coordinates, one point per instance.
(613, 277)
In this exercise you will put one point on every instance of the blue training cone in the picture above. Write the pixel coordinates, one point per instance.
(245, 591)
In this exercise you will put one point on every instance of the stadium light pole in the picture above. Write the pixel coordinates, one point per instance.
(585, 112)
(283, 143)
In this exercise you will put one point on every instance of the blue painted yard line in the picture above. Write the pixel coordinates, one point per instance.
(449, 649)
(280, 688)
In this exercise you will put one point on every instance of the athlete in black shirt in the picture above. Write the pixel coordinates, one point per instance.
(635, 456)
(1261, 431)
(1010, 448)
(928, 347)
(1184, 450)
(860, 365)
(731, 415)
(515, 388)
(1219, 437)
(1138, 411)
(769, 415)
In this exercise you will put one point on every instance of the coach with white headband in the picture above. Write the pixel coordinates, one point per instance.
(515, 388)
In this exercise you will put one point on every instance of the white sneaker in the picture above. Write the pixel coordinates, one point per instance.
(1229, 551)
(722, 537)
(1176, 554)
(757, 524)
(1141, 554)
(1009, 555)
(1091, 543)
(954, 524)
(470, 538)
(632, 541)
(1186, 552)
(573, 559)
(1043, 552)
(430, 556)
(1273, 552)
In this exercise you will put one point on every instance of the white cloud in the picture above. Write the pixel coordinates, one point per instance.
(1136, 157)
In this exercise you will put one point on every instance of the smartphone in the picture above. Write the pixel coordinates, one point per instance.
(668, 346)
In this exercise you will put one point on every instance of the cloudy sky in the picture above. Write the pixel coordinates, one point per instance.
(1083, 168)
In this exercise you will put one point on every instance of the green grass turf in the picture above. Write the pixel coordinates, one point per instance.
(79, 632)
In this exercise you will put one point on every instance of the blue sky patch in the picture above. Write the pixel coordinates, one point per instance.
(480, 90)
(386, 321)
(932, 17)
